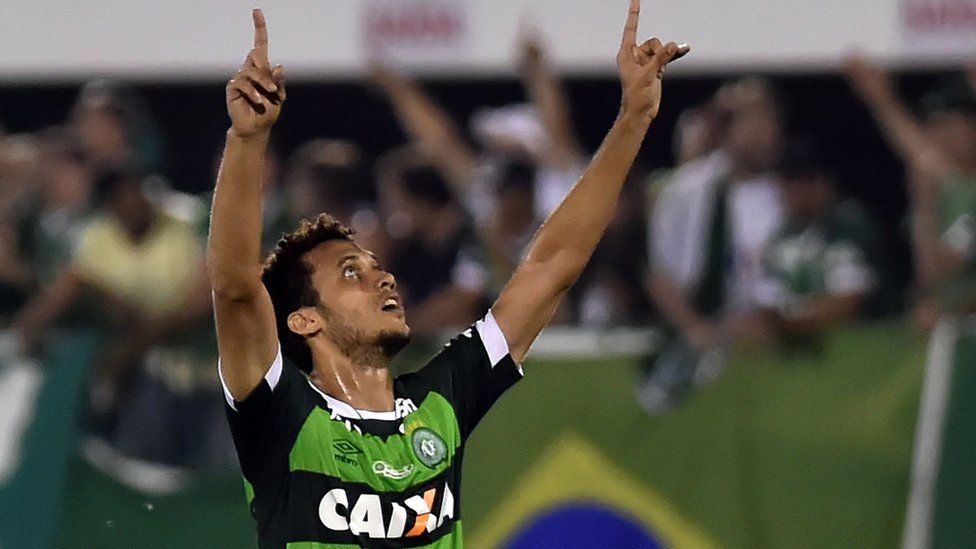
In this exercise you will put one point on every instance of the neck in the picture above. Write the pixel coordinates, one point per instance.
(360, 378)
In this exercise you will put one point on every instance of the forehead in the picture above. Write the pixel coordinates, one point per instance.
(332, 253)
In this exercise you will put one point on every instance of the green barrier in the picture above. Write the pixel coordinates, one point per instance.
(781, 451)
(31, 499)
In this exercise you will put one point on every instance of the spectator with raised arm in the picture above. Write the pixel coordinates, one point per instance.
(540, 131)
(939, 152)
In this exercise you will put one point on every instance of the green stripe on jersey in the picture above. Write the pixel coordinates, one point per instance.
(394, 464)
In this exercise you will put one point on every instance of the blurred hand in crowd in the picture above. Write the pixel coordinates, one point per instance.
(870, 81)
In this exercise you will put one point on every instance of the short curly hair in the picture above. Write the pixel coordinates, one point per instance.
(288, 278)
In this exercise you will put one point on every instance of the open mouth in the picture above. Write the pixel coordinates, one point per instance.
(391, 304)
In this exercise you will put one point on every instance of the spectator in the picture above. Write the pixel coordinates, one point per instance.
(514, 222)
(156, 384)
(115, 128)
(58, 210)
(18, 162)
(44, 225)
(821, 267)
(940, 154)
(540, 133)
(709, 228)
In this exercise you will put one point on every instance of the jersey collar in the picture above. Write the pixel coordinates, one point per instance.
(345, 410)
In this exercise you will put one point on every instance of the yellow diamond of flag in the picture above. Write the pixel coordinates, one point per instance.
(574, 496)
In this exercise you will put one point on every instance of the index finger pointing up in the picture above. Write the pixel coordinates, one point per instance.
(260, 31)
(630, 29)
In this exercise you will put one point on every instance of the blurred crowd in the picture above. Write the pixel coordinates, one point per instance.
(746, 241)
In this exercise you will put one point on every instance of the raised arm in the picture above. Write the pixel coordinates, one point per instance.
(428, 125)
(546, 93)
(565, 242)
(246, 335)
(899, 126)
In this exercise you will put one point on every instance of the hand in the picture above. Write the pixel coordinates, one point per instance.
(703, 335)
(868, 80)
(641, 68)
(531, 52)
(256, 92)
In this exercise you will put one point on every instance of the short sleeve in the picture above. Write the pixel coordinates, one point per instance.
(88, 256)
(264, 424)
(472, 371)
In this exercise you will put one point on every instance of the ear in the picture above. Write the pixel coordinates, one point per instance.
(305, 321)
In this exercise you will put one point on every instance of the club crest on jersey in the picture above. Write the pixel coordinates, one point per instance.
(429, 447)
(383, 468)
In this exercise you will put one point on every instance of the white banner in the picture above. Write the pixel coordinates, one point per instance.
(188, 39)
(945, 28)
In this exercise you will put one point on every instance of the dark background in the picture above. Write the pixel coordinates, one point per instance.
(192, 120)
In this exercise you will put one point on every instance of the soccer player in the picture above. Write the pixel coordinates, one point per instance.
(334, 450)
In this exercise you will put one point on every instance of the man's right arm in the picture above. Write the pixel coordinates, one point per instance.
(897, 124)
(246, 335)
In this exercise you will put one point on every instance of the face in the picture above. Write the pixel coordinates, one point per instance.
(359, 305)
(754, 135)
(101, 133)
(129, 206)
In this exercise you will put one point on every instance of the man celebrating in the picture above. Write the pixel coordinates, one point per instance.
(334, 450)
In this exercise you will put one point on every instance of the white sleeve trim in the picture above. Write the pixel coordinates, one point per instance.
(272, 376)
(494, 340)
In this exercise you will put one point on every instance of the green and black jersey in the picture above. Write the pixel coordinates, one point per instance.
(319, 473)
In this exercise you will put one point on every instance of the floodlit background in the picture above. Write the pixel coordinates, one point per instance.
(772, 347)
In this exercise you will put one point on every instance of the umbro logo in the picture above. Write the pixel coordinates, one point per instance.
(345, 447)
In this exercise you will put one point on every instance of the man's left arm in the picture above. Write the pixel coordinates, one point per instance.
(563, 245)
